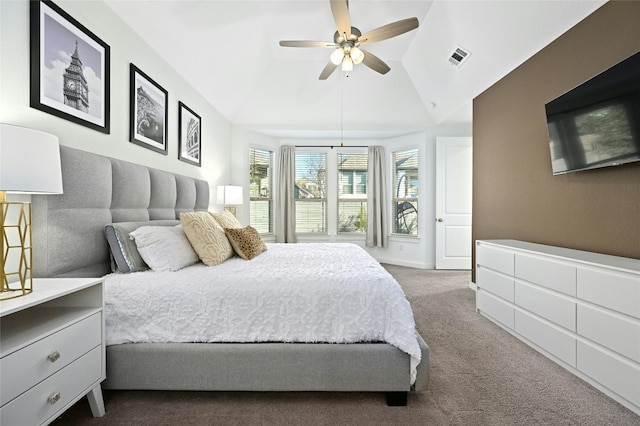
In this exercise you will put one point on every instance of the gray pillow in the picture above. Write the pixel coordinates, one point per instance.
(123, 249)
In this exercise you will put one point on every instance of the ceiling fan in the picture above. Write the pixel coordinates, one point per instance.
(347, 41)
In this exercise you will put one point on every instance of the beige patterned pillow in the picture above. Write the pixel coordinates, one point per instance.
(226, 219)
(246, 241)
(206, 237)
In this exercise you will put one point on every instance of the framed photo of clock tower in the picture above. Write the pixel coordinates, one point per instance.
(69, 68)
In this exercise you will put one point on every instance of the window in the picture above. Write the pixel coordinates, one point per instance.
(260, 190)
(404, 211)
(310, 192)
(352, 192)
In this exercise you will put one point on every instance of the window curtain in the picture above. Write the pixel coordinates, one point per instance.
(286, 204)
(377, 223)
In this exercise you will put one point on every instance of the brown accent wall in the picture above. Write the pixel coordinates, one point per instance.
(515, 195)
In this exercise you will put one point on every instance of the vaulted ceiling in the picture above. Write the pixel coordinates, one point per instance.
(229, 51)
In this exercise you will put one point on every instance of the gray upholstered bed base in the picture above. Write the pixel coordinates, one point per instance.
(370, 367)
(69, 241)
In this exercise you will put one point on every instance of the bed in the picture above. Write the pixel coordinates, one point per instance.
(69, 241)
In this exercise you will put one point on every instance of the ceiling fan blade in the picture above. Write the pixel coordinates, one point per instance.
(306, 43)
(340, 11)
(390, 30)
(375, 63)
(327, 71)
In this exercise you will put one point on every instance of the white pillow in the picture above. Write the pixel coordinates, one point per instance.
(164, 248)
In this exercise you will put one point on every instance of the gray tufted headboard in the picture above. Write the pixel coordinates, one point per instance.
(68, 229)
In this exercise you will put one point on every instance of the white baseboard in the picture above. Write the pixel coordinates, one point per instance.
(473, 286)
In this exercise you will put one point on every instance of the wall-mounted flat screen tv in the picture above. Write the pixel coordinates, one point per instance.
(597, 124)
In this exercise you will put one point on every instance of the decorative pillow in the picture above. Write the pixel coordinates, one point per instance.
(206, 237)
(226, 219)
(123, 250)
(246, 241)
(164, 248)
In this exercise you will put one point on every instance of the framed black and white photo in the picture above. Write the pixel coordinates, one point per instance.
(148, 111)
(69, 68)
(189, 137)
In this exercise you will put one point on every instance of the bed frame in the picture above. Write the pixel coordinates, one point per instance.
(69, 241)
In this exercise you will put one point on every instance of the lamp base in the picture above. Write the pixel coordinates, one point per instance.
(12, 294)
(15, 249)
(231, 209)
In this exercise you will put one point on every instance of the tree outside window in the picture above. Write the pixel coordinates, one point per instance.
(310, 192)
(405, 192)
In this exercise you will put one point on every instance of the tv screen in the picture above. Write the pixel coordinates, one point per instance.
(597, 124)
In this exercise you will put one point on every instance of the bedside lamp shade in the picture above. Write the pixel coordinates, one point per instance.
(29, 161)
(29, 164)
(230, 196)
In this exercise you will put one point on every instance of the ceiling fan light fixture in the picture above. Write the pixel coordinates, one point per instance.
(357, 55)
(347, 64)
(347, 39)
(337, 56)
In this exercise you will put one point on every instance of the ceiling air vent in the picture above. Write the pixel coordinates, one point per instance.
(459, 56)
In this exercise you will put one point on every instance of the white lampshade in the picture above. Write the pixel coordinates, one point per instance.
(347, 64)
(29, 164)
(336, 56)
(357, 55)
(29, 161)
(229, 195)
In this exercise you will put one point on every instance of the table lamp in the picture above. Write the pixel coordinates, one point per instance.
(29, 164)
(230, 196)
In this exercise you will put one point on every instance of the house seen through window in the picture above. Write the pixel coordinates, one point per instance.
(352, 192)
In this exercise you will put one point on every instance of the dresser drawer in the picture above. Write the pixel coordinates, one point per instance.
(494, 258)
(495, 308)
(76, 379)
(614, 290)
(622, 377)
(547, 273)
(550, 306)
(25, 368)
(495, 283)
(552, 339)
(618, 333)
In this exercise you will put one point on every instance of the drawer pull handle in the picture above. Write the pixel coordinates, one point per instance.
(54, 398)
(53, 356)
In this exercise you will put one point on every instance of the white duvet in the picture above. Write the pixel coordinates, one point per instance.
(321, 292)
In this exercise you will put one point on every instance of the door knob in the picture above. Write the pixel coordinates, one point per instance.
(439, 219)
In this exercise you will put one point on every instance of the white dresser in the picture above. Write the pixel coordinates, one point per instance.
(580, 309)
(52, 350)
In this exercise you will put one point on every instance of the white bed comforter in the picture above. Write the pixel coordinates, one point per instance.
(291, 293)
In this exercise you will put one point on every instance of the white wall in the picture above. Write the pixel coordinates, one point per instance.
(126, 47)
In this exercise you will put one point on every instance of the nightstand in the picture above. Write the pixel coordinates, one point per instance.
(52, 350)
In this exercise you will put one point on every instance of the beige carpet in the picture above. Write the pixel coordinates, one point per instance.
(480, 375)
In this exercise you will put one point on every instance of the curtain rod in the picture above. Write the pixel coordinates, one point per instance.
(331, 146)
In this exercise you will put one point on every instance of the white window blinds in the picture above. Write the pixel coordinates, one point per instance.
(261, 190)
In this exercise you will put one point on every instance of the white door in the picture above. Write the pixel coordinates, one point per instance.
(454, 162)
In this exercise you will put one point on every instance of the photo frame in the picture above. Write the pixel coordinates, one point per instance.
(69, 68)
(189, 135)
(148, 112)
